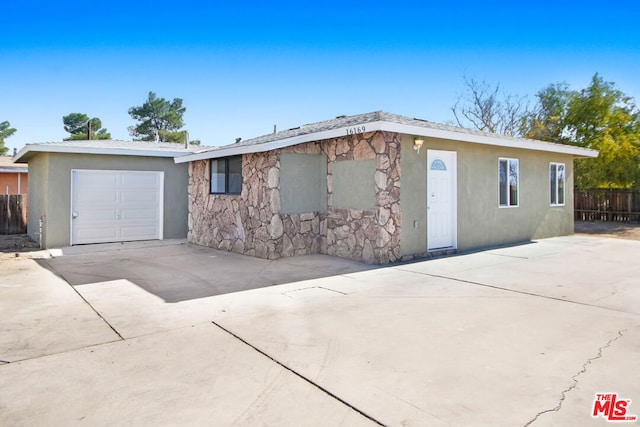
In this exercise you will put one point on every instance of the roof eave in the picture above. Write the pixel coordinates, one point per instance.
(527, 144)
(14, 170)
(32, 149)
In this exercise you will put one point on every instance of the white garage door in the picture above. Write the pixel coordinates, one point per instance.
(116, 206)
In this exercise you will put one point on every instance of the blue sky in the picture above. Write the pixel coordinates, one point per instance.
(243, 66)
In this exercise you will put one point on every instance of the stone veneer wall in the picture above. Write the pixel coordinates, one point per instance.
(251, 223)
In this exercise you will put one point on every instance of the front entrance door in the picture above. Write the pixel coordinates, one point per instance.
(441, 199)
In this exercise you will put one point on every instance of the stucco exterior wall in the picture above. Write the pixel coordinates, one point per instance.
(253, 222)
(50, 191)
(38, 194)
(480, 221)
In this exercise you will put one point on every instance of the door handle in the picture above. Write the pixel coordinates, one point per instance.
(74, 215)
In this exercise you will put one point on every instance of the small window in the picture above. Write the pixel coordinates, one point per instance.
(438, 165)
(226, 175)
(509, 178)
(556, 184)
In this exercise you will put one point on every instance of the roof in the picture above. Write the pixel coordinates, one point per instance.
(118, 148)
(378, 121)
(7, 166)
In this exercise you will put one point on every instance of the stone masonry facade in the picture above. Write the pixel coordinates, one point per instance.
(252, 223)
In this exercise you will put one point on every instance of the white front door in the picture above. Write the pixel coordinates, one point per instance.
(116, 206)
(441, 199)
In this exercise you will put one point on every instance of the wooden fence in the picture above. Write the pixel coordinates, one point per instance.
(13, 213)
(616, 205)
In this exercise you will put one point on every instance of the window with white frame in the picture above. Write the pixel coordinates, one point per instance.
(509, 180)
(556, 184)
(226, 175)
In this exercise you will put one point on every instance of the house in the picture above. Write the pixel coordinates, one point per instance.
(13, 176)
(105, 191)
(379, 188)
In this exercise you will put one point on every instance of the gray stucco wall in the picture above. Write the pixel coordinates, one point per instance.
(354, 185)
(50, 191)
(303, 183)
(38, 192)
(480, 222)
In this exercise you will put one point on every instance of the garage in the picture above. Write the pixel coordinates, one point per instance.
(116, 206)
(84, 192)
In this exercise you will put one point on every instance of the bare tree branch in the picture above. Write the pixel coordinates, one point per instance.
(488, 109)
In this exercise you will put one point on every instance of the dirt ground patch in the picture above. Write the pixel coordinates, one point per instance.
(620, 230)
(14, 244)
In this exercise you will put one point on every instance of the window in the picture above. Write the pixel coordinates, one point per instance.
(556, 183)
(226, 175)
(509, 177)
(438, 165)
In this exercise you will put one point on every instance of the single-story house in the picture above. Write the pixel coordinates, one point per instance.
(105, 191)
(13, 176)
(378, 187)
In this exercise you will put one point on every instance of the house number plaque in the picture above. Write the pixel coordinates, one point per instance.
(356, 130)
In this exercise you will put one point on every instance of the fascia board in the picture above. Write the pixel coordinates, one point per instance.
(14, 170)
(92, 150)
(527, 144)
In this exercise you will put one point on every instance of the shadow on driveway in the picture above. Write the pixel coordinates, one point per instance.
(181, 271)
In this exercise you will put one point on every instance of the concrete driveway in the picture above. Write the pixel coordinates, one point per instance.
(518, 336)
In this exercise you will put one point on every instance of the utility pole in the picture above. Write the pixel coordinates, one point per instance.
(89, 130)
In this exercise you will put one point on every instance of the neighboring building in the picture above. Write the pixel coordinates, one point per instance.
(378, 187)
(14, 177)
(105, 191)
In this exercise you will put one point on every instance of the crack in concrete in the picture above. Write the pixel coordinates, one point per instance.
(574, 378)
(299, 375)
(87, 302)
(516, 291)
(313, 287)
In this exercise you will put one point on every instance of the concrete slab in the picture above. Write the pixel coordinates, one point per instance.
(190, 376)
(176, 271)
(436, 351)
(588, 270)
(42, 314)
(525, 335)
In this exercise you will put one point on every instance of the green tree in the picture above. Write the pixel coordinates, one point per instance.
(5, 132)
(78, 124)
(159, 120)
(599, 117)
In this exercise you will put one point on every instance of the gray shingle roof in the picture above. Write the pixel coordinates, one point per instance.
(304, 133)
(355, 120)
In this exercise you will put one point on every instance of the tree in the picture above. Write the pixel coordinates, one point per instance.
(486, 108)
(599, 117)
(160, 120)
(78, 124)
(5, 132)
(546, 121)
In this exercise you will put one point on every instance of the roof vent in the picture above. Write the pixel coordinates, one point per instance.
(238, 140)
